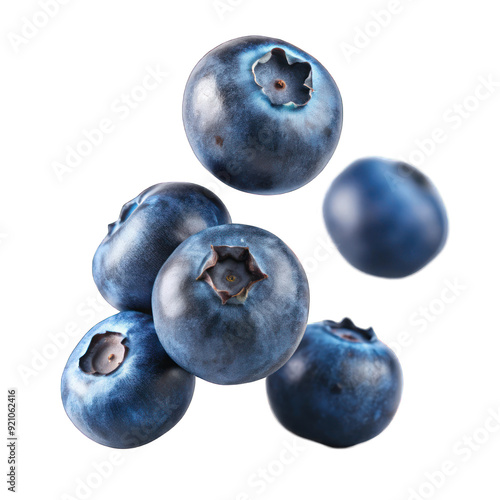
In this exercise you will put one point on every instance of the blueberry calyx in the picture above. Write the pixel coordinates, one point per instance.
(231, 271)
(348, 331)
(105, 354)
(125, 213)
(284, 80)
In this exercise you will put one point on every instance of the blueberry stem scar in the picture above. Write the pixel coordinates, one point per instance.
(231, 271)
(106, 352)
(284, 80)
(279, 85)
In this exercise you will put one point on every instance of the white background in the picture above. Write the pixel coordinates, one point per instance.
(399, 84)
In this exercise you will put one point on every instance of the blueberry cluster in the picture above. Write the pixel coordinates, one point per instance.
(202, 297)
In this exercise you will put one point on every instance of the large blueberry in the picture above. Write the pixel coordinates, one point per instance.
(386, 218)
(119, 386)
(148, 230)
(231, 303)
(262, 115)
(340, 388)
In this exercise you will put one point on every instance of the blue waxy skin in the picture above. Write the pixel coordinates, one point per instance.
(252, 135)
(386, 218)
(142, 399)
(235, 342)
(149, 229)
(341, 387)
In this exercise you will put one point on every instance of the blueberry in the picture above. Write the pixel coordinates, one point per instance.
(386, 218)
(262, 115)
(119, 386)
(148, 230)
(230, 305)
(340, 388)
